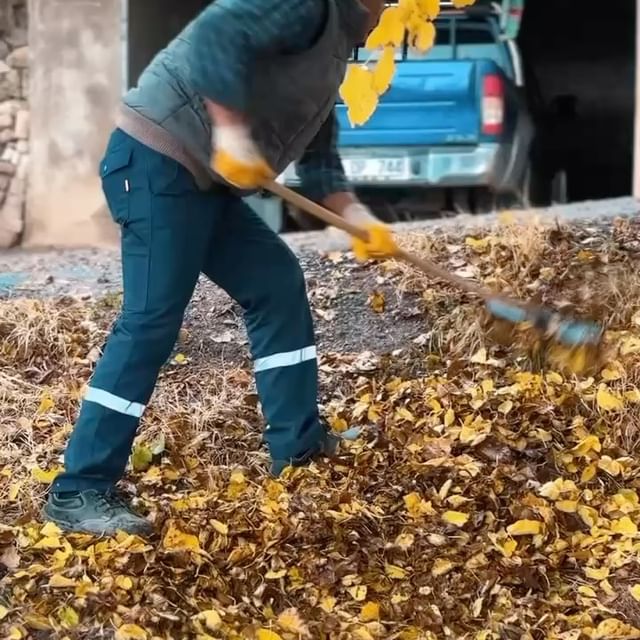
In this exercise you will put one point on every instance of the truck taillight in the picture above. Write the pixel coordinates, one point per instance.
(492, 105)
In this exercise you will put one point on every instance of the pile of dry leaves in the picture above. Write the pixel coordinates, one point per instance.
(487, 500)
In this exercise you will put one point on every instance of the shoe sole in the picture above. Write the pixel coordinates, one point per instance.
(92, 527)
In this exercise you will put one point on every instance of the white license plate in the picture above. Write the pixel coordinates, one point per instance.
(376, 168)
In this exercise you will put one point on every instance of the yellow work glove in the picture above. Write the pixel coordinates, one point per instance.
(380, 244)
(236, 158)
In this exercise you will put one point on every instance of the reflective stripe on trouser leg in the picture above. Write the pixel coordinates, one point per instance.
(256, 268)
(289, 402)
(115, 403)
(285, 359)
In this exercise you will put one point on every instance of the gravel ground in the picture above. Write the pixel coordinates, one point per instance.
(338, 288)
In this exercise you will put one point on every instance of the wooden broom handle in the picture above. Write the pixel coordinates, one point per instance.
(333, 219)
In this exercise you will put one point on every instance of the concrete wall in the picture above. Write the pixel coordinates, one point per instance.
(14, 119)
(76, 84)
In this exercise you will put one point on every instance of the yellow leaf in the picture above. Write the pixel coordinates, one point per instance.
(4, 612)
(275, 575)
(505, 407)
(289, 620)
(328, 603)
(389, 30)
(429, 8)
(635, 592)
(588, 515)
(480, 357)
(58, 581)
(506, 218)
(449, 417)
(423, 36)
(15, 634)
(50, 529)
(48, 542)
(69, 617)
(441, 566)
(596, 574)
(480, 245)
(46, 403)
(220, 527)
(237, 485)
(359, 94)
(627, 500)
(211, 619)
(141, 457)
(14, 489)
(358, 593)
(124, 582)
(587, 591)
(606, 401)
(131, 632)
(444, 489)
(376, 302)
(370, 611)
(395, 572)
(610, 374)
(404, 541)
(508, 547)
(554, 378)
(176, 540)
(383, 74)
(588, 473)
(416, 506)
(630, 345)
(461, 4)
(632, 396)
(567, 506)
(456, 518)
(362, 633)
(624, 526)
(613, 628)
(525, 528)
(551, 489)
(45, 477)
(612, 467)
(586, 445)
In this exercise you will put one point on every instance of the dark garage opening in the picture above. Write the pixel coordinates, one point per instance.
(579, 60)
(582, 55)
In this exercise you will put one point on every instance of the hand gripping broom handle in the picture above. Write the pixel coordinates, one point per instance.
(566, 331)
(322, 213)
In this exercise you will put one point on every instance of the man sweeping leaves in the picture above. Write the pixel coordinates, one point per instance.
(247, 88)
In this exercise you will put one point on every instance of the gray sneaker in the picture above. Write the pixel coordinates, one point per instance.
(327, 448)
(94, 512)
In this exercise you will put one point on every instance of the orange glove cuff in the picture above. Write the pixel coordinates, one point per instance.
(239, 174)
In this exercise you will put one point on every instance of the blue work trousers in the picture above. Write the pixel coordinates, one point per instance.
(171, 232)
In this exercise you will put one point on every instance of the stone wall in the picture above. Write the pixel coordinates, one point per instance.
(14, 119)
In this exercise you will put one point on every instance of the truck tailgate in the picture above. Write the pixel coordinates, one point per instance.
(429, 103)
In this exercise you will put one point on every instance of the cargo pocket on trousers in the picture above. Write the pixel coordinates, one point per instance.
(135, 279)
(116, 184)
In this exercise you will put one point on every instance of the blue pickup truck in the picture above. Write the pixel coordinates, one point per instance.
(453, 133)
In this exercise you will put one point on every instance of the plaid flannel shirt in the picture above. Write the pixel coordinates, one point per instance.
(230, 35)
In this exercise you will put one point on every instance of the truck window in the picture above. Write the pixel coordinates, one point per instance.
(457, 38)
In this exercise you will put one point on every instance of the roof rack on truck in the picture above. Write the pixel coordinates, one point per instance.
(509, 13)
